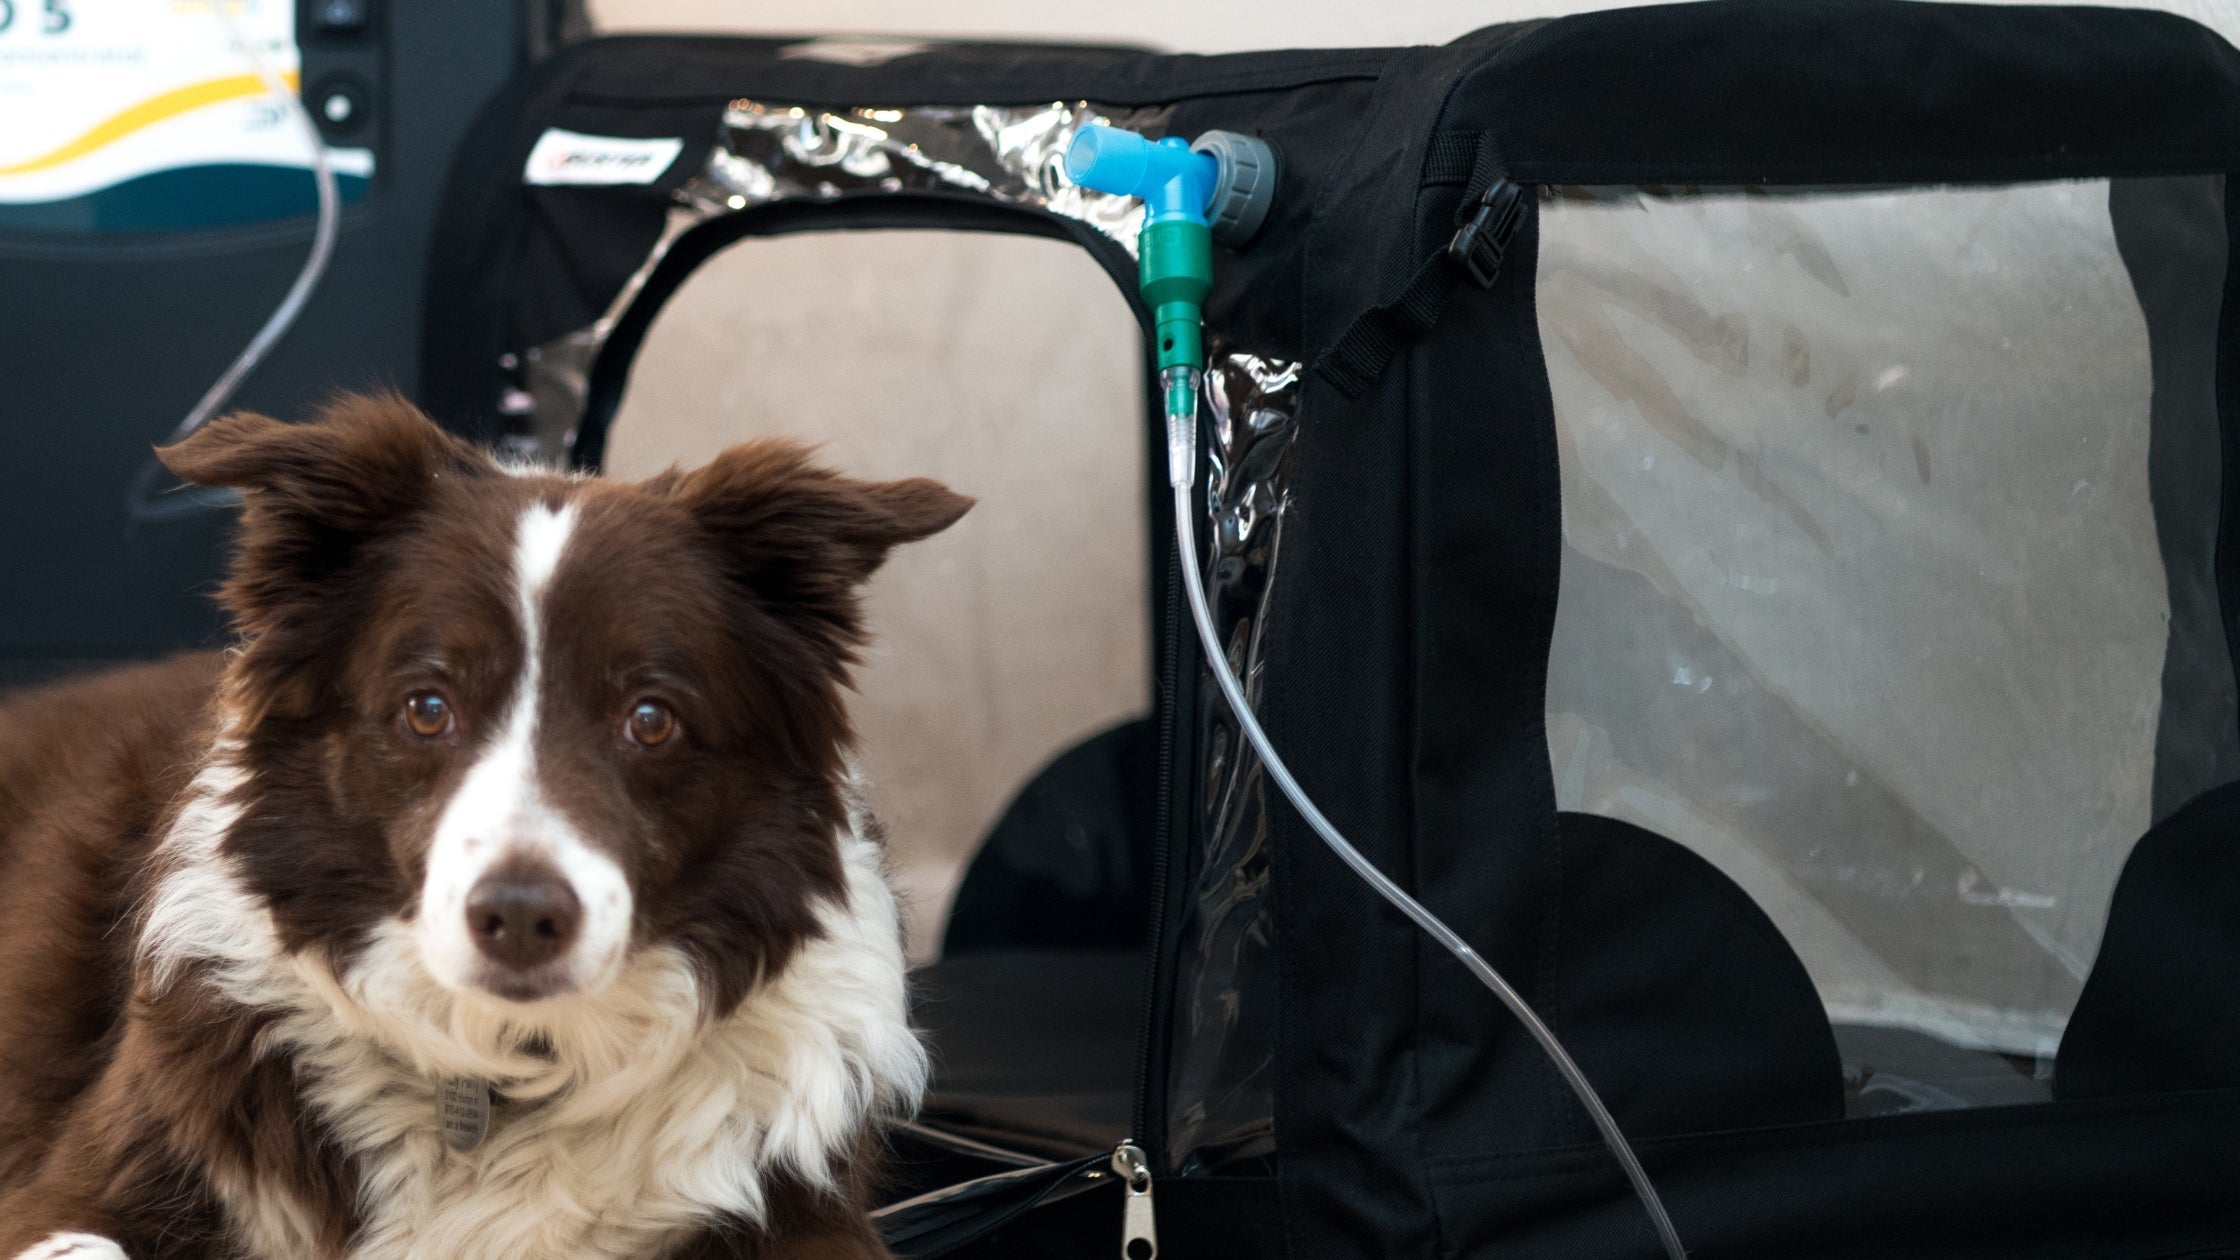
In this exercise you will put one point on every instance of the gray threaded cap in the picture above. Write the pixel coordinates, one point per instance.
(1245, 186)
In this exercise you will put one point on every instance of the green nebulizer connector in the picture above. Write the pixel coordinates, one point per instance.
(1219, 186)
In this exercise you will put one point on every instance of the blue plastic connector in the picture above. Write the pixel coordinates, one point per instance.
(1191, 193)
(1173, 182)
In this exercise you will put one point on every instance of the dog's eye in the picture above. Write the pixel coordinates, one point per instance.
(651, 724)
(427, 713)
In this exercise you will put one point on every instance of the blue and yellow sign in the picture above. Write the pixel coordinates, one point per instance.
(121, 115)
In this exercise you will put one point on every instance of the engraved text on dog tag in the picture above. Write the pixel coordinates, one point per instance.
(463, 1111)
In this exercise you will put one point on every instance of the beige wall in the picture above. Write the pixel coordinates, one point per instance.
(1007, 367)
(1180, 25)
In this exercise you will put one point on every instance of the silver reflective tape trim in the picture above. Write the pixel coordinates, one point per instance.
(1225, 970)
(766, 152)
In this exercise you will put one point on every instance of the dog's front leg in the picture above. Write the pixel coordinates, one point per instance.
(46, 1219)
(108, 1187)
(55, 1217)
(96, 1214)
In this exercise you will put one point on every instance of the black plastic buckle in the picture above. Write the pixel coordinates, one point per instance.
(1483, 239)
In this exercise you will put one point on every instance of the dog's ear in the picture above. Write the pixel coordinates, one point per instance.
(803, 538)
(312, 495)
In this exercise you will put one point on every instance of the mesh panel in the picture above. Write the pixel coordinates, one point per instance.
(1889, 519)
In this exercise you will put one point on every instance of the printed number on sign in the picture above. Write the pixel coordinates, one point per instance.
(54, 16)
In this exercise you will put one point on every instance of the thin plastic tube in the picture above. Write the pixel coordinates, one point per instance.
(291, 305)
(1181, 456)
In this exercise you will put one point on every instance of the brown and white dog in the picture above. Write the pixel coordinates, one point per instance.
(505, 893)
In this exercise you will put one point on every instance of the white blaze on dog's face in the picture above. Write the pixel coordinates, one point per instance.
(515, 901)
(537, 723)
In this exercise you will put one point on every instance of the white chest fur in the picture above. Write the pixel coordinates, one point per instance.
(637, 1121)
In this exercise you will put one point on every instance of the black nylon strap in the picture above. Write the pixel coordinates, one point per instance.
(1453, 157)
(1362, 353)
(1354, 362)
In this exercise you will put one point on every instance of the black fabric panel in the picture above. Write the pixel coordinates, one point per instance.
(2228, 425)
(1487, 516)
(1362, 240)
(481, 239)
(1033, 1050)
(655, 69)
(462, 330)
(1339, 689)
(1680, 999)
(1068, 865)
(1259, 290)
(580, 244)
(2161, 1010)
(1858, 91)
(2171, 234)
(1335, 701)
(2053, 1181)
(1179, 670)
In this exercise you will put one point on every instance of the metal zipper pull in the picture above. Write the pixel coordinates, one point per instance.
(1139, 1231)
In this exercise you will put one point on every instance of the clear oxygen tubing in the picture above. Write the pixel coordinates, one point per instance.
(137, 503)
(1182, 449)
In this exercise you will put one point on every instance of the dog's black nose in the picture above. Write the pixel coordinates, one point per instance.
(522, 916)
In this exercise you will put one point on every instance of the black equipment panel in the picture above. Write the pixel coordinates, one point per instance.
(109, 334)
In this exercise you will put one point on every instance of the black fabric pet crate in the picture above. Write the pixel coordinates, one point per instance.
(1767, 585)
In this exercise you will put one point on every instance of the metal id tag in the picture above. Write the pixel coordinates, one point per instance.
(463, 1111)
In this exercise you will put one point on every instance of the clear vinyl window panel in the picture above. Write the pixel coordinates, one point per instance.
(1888, 586)
(1009, 368)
